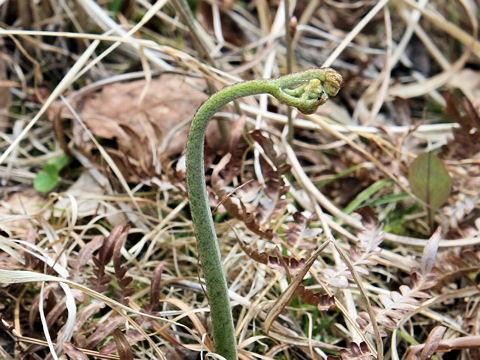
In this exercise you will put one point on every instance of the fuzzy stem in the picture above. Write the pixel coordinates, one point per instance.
(306, 91)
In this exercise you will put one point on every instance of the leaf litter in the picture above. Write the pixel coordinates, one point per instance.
(128, 258)
(137, 117)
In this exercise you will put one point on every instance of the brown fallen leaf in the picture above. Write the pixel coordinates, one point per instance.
(135, 117)
(18, 210)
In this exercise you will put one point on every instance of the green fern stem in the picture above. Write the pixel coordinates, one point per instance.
(306, 91)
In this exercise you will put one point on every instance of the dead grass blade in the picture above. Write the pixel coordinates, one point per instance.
(197, 324)
(440, 22)
(19, 276)
(59, 89)
(287, 295)
(123, 347)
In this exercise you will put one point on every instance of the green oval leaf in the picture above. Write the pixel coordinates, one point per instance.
(58, 163)
(48, 178)
(45, 181)
(430, 180)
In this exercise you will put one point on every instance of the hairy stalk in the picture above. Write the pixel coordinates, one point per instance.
(306, 91)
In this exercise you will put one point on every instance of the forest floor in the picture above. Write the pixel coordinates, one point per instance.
(98, 259)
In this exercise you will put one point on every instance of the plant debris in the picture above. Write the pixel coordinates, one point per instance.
(327, 253)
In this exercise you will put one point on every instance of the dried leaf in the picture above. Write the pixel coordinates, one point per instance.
(300, 235)
(123, 347)
(106, 252)
(84, 314)
(101, 279)
(369, 218)
(131, 336)
(73, 352)
(280, 263)
(267, 145)
(21, 207)
(86, 253)
(287, 295)
(104, 329)
(121, 270)
(458, 263)
(119, 241)
(235, 206)
(370, 239)
(256, 205)
(260, 257)
(137, 117)
(430, 252)
(432, 342)
(356, 352)
(322, 302)
(155, 287)
(466, 138)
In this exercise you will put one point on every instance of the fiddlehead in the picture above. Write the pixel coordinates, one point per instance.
(306, 91)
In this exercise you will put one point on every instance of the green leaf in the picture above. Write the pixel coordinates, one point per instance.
(50, 168)
(59, 163)
(430, 182)
(48, 178)
(45, 181)
(365, 195)
(389, 199)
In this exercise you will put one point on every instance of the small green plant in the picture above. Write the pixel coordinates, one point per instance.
(48, 177)
(430, 182)
(306, 91)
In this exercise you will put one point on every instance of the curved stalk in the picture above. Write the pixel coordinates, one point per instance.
(306, 91)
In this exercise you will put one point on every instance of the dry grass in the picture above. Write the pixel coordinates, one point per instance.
(105, 265)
